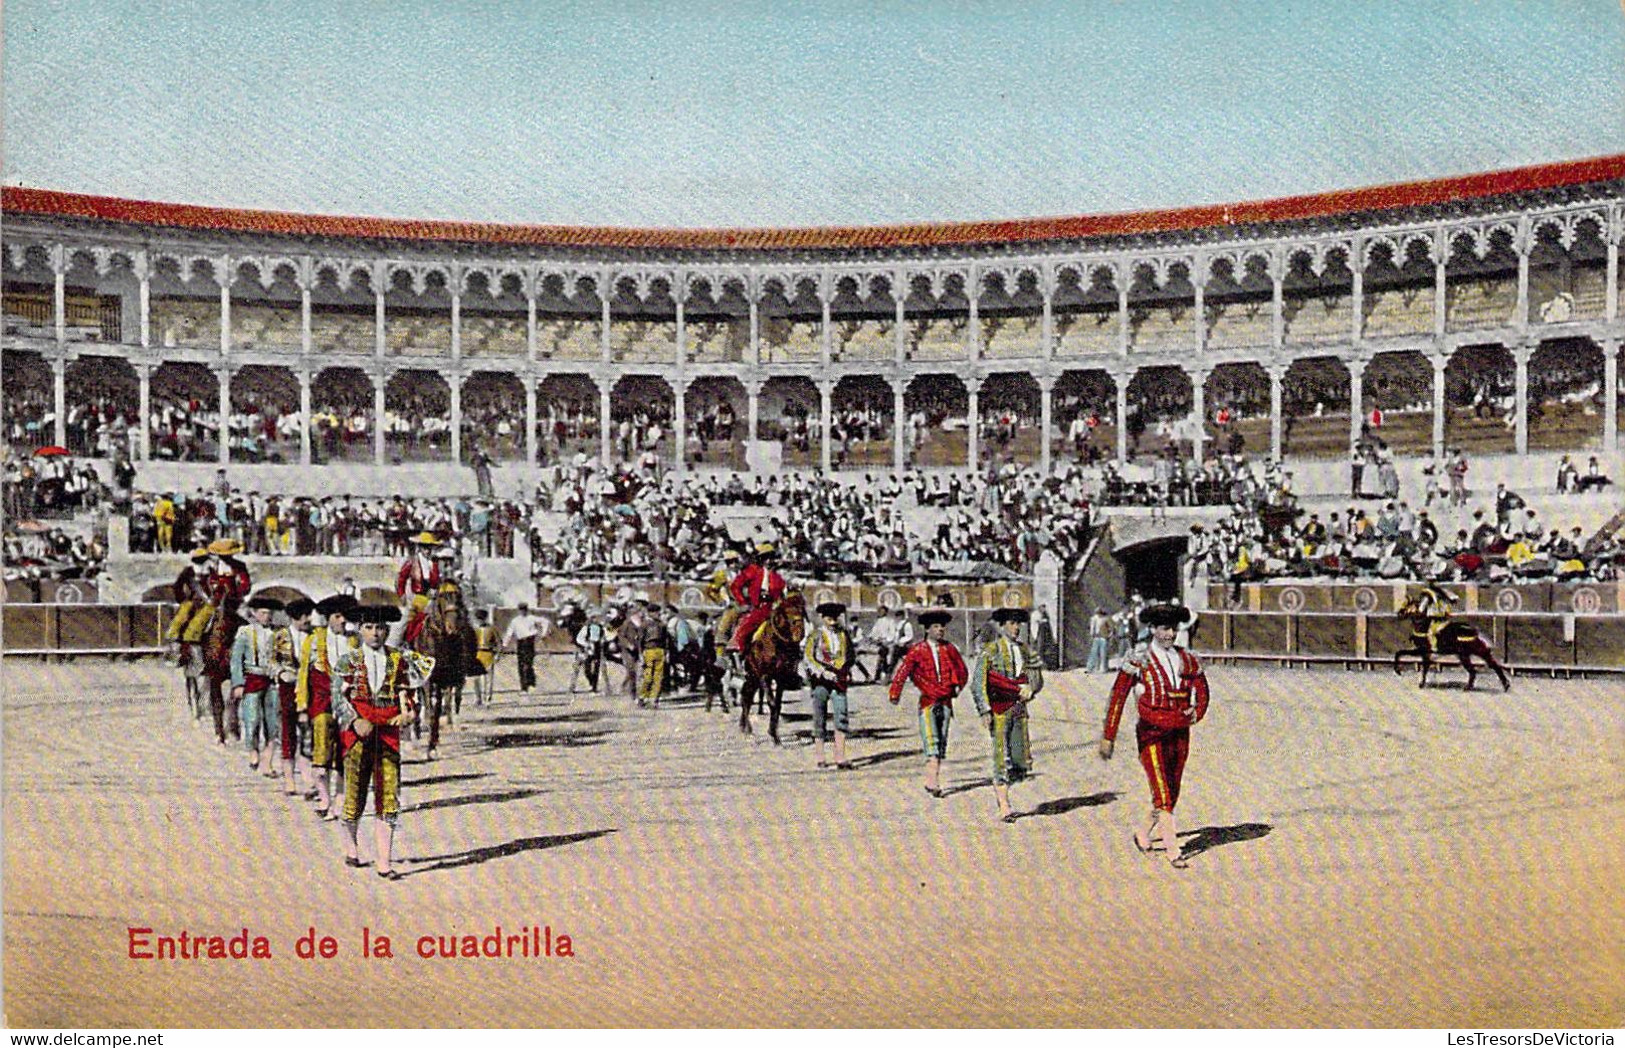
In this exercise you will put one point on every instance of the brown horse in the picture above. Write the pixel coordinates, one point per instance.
(448, 637)
(771, 657)
(1454, 639)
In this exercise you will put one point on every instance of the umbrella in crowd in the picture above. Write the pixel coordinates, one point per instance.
(51, 451)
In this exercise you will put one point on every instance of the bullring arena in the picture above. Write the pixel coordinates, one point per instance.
(1058, 416)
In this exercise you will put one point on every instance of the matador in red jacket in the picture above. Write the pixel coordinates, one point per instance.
(421, 573)
(1172, 695)
(935, 667)
(756, 589)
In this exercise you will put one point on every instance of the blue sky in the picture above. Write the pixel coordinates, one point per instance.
(749, 114)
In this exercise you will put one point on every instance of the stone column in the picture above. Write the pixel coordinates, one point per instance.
(380, 281)
(227, 278)
(679, 417)
(755, 358)
(1611, 295)
(1048, 330)
(1357, 296)
(1520, 357)
(224, 373)
(1356, 398)
(1610, 394)
(59, 375)
(1199, 410)
(1441, 251)
(1441, 361)
(973, 330)
(973, 423)
(1277, 304)
(604, 452)
(1122, 379)
(1122, 311)
(826, 396)
(305, 338)
(1199, 309)
(530, 333)
(455, 381)
(304, 414)
(899, 293)
(753, 407)
(143, 272)
(606, 351)
(1524, 238)
(683, 332)
(59, 271)
(826, 291)
(1046, 419)
(457, 319)
(380, 380)
(1277, 373)
(143, 374)
(530, 417)
(899, 451)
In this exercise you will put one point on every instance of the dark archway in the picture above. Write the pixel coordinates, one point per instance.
(341, 416)
(1151, 569)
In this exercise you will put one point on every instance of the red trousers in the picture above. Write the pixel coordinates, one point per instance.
(290, 719)
(1162, 754)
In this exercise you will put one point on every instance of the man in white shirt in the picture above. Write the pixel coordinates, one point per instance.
(523, 629)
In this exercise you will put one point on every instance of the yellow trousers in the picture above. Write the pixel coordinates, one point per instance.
(190, 623)
(654, 674)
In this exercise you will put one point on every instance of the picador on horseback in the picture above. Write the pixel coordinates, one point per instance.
(755, 590)
(1434, 634)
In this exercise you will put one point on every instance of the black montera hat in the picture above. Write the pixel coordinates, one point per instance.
(298, 609)
(832, 609)
(1004, 615)
(377, 614)
(935, 617)
(266, 602)
(1171, 615)
(337, 604)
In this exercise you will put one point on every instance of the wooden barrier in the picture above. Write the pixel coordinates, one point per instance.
(1541, 642)
(85, 629)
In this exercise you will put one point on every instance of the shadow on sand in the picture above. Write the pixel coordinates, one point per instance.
(475, 856)
(1210, 837)
(1062, 805)
(436, 780)
(501, 797)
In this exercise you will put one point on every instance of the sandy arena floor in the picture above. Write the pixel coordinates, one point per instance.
(1362, 854)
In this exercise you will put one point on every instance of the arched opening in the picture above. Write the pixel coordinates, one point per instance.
(1315, 404)
(1010, 311)
(716, 411)
(1151, 569)
(341, 416)
(1237, 406)
(1480, 399)
(1011, 406)
(343, 313)
(566, 418)
(265, 311)
(417, 314)
(790, 319)
(103, 397)
(641, 408)
(1565, 395)
(184, 304)
(569, 319)
(1397, 398)
(716, 322)
(1085, 312)
(936, 321)
(935, 431)
(494, 321)
(1159, 412)
(494, 416)
(1317, 304)
(1083, 410)
(643, 323)
(265, 420)
(185, 401)
(789, 413)
(863, 318)
(29, 399)
(861, 423)
(417, 417)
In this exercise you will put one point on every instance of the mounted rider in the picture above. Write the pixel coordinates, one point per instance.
(718, 590)
(756, 589)
(1437, 604)
(420, 574)
(193, 610)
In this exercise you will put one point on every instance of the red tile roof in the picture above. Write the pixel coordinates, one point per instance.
(20, 200)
